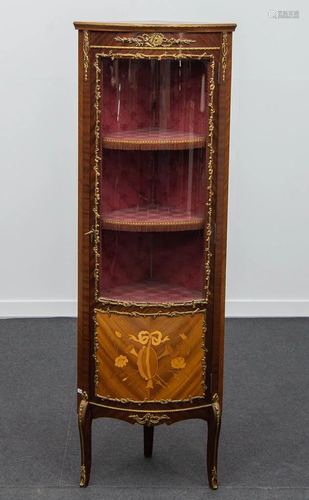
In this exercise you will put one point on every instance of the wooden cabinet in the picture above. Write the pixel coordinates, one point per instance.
(154, 104)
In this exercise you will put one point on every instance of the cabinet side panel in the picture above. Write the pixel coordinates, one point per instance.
(84, 223)
(221, 214)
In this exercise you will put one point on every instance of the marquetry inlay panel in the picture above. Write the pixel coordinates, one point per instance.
(150, 357)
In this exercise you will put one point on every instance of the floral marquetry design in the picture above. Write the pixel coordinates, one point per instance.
(178, 363)
(121, 361)
(150, 358)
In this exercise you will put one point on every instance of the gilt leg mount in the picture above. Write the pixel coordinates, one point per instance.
(212, 444)
(84, 424)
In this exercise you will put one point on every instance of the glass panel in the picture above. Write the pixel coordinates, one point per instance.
(154, 118)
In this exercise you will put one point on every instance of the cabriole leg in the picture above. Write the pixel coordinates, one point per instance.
(212, 444)
(84, 424)
(148, 440)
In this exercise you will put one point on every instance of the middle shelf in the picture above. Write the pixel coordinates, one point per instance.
(154, 138)
(152, 218)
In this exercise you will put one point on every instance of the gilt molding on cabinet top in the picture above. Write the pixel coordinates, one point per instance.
(153, 40)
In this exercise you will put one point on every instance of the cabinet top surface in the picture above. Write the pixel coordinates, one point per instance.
(163, 26)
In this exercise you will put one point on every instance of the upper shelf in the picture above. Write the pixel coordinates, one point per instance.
(152, 218)
(153, 139)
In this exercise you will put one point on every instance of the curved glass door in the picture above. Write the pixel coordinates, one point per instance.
(154, 128)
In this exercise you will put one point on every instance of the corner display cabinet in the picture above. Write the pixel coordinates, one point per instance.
(154, 106)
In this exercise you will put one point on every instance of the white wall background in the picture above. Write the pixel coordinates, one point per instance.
(268, 246)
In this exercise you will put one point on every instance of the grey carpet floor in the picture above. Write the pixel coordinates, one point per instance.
(264, 445)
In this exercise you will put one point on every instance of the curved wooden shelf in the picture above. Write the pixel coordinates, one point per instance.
(152, 218)
(153, 139)
(151, 291)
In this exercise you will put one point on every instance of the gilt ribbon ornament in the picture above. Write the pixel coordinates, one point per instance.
(153, 338)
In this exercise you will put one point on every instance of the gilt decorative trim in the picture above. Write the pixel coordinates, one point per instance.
(204, 361)
(112, 47)
(190, 399)
(82, 405)
(224, 55)
(142, 305)
(86, 53)
(210, 171)
(96, 168)
(178, 56)
(95, 350)
(153, 315)
(154, 40)
(216, 407)
(214, 478)
(211, 151)
(175, 410)
(149, 419)
(83, 477)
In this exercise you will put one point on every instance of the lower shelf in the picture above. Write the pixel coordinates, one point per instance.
(152, 218)
(151, 291)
